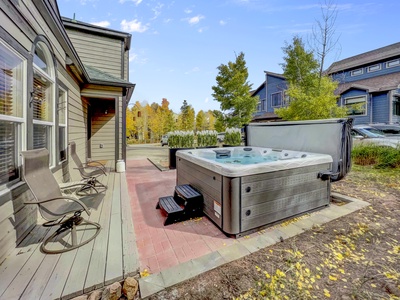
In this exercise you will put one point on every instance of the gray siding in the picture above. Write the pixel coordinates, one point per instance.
(23, 22)
(100, 52)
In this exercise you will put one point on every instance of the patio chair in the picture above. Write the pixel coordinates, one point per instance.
(89, 172)
(57, 209)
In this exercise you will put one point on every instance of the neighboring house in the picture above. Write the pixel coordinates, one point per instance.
(271, 95)
(60, 81)
(368, 85)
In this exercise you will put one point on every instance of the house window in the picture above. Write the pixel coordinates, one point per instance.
(356, 106)
(374, 68)
(276, 99)
(62, 124)
(264, 105)
(393, 63)
(357, 72)
(396, 106)
(12, 87)
(43, 100)
(259, 106)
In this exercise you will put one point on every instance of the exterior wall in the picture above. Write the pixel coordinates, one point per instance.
(22, 22)
(380, 107)
(100, 52)
(345, 76)
(274, 85)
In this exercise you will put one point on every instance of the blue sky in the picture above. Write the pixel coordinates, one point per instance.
(178, 45)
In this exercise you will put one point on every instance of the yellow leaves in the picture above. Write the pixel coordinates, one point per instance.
(333, 277)
(373, 285)
(341, 271)
(326, 293)
(279, 273)
(144, 273)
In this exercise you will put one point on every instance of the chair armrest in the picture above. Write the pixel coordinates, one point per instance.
(92, 167)
(61, 198)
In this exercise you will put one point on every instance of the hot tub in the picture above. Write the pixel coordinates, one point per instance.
(246, 188)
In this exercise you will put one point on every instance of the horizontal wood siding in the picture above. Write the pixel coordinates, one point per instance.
(380, 108)
(23, 21)
(98, 51)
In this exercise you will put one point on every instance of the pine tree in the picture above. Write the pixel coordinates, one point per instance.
(233, 93)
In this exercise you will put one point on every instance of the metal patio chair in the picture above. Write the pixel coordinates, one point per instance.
(55, 207)
(89, 171)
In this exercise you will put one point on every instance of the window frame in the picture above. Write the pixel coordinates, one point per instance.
(62, 89)
(355, 97)
(280, 102)
(396, 61)
(379, 67)
(20, 122)
(50, 76)
(357, 72)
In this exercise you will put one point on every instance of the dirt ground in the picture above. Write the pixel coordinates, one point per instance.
(354, 257)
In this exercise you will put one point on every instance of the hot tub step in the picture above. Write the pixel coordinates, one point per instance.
(186, 203)
(172, 209)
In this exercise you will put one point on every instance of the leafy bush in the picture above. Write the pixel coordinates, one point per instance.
(377, 155)
(207, 138)
(181, 139)
(233, 137)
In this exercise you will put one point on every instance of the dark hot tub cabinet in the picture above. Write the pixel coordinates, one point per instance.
(284, 170)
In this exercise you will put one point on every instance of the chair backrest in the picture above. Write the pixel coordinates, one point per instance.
(75, 156)
(41, 182)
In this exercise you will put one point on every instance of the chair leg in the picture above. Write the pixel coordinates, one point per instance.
(70, 225)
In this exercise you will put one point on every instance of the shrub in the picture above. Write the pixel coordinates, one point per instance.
(181, 139)
(207, 138)
(377, 155)
(233, 137)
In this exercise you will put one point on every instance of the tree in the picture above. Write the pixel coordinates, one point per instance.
(311, 96)
(233, 93)
(186, 117)
(201, 121)
(323, 36)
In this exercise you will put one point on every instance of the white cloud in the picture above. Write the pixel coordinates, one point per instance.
(132, 56)
(206, 100)
(195, 69)
(101, 23)
(136, 2)
(195, 19)
(133, 26)
(222, 22)
(157, 10)
(187, 11)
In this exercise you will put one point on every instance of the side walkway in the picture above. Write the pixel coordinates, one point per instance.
(177, 252)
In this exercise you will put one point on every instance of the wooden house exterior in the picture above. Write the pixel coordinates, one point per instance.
(52, 92)
(369, 85)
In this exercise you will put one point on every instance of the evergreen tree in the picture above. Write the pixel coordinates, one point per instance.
(310, 96)
(233, 93)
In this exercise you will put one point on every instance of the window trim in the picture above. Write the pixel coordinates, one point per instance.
(19, 121)
(360, 70)
(354, 97)
(396, 61)
(272, 103)
(51, 75)
(376, 65)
